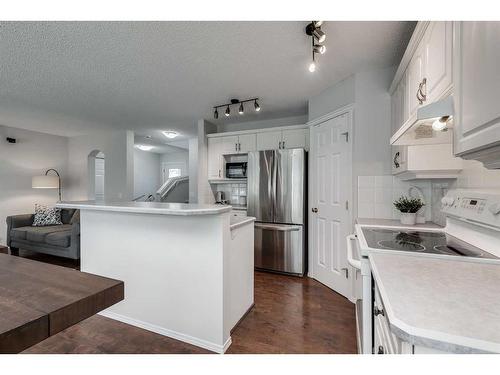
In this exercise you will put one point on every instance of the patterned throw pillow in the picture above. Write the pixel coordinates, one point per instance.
(46, 216)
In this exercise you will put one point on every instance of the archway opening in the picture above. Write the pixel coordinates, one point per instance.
(96, 174)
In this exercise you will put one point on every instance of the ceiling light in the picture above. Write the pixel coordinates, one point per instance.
(312, 67)
(170, 134)
(144, 147)
(148, 137)
(241, 106)
(440, 124)
(318, 48)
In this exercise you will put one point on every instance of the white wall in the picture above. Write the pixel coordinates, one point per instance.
(262, 124)
(117, 147)
(204, 191)
(368, 93)
(146, 173)
(176, 159)
(32, 155)
(193, 170)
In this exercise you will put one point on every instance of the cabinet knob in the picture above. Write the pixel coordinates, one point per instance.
(314, 209)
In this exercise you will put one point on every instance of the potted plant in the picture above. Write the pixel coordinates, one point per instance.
(408, 208)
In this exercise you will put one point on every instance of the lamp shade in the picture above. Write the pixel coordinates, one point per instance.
(45, 182)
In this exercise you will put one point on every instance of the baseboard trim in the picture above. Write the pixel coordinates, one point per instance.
(221, 349)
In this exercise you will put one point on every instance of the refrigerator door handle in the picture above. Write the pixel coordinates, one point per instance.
(279, 227)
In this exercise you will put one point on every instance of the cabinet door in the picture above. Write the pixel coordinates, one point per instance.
(229, 145)
(476, 77)
(247, 143)
(295, 138)
(438, 40)
(268, 140)
(399, 156)
(415, 76)
(214, 155)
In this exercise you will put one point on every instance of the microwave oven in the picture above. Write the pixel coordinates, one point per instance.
(236, 170)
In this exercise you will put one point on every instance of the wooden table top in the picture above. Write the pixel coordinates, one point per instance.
(38, 300)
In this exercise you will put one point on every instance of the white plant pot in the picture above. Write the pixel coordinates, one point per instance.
(408, 218)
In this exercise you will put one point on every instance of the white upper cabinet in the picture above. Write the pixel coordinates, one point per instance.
(438, 40)
(247, 143)
(214, 156)
(268, 140)
(283, 139)
(425, 75)
(229, 145)
(476, 74)
(415, 80)
(295, 138)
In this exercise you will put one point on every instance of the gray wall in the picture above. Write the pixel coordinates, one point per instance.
(146, 172)
(32, 155)
(368, 92)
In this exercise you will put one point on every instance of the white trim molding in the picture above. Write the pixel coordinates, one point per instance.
(221, 349)
(339, 111)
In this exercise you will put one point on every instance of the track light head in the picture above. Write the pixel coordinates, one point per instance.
(317, 23)
(256, 106)
(312, 67)
(318, 48)
(216, 114)
(241, 109)
(228, 112)
(319, 35)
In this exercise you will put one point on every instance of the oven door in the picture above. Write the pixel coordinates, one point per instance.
(363, 309)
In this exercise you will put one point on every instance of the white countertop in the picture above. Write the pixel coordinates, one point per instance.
(388, 223)
(183, 209)
(447, 304)
(239, 221)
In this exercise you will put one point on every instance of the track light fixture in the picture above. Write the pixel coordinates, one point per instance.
(313, 29)
(241, 108)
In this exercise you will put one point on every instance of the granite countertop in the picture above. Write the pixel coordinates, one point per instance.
(159, 208)
(451, 304)
(388, 223)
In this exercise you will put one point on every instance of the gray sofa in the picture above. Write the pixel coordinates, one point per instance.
(60, 240)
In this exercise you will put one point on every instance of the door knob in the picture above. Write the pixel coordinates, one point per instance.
(314, 209)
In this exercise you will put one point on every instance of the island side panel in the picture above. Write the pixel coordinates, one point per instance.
(172, 267)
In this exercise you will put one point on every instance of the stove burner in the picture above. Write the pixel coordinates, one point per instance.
(428, 234)
(443, 249)
(401, 245)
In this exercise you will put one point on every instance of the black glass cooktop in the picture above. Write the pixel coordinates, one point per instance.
(421, 242)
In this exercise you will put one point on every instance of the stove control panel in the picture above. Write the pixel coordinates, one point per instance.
(479, 206)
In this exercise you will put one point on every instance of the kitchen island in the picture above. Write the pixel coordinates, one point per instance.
(181, 264)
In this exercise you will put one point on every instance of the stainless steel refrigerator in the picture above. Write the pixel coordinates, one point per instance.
(277, 199)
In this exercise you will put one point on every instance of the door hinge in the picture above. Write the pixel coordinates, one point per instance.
(346, 134)
(346, 270)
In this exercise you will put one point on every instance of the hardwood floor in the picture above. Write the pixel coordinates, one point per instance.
(291, 315)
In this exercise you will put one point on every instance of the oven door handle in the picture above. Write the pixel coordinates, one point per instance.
(350, 258)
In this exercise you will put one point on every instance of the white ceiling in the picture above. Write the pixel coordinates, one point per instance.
(68, 77)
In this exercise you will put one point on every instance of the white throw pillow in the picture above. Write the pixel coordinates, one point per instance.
(46, 216)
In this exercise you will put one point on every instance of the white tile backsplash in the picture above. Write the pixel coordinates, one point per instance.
(234, 193)
(376, 195)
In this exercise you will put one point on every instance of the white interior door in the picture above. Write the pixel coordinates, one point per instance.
(331, 192)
